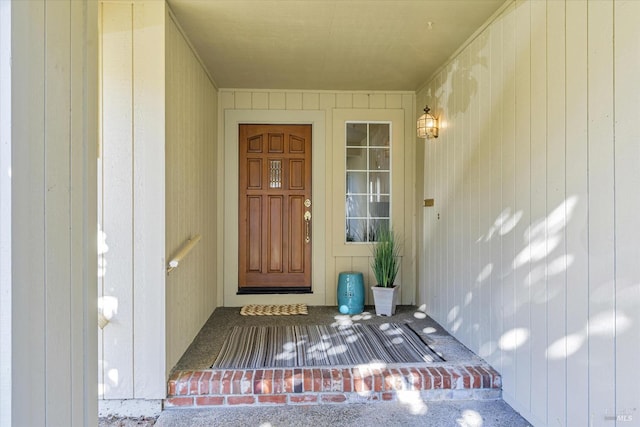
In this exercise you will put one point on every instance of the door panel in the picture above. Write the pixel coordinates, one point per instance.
(275, 181)
(296, 215)
(275, 232)
(254, 235)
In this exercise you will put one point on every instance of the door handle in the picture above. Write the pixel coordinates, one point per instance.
(307, 227)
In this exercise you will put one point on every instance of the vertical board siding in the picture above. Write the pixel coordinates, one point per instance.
(627, 205)
(28, 235)
(53, 229)
(508, 215)
(534, 253)
(56, 204)
(558, 206)
(537, 271)
(190, 189)
(132, 360)
(117, 199)
(148, 199)
(601, 206)
(5, 214)
(522, 208)
(577, 191)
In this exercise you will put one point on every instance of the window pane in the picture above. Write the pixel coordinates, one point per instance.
(356, 134)
(375, 225)
(379, 184)
(356, 206)
(379, 134)
(356, 230)
(379, 208)
(378, 159)
(356, 182)
(357, 159)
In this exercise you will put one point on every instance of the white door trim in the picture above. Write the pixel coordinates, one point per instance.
(229, 244)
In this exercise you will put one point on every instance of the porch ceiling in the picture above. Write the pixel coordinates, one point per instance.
(328, 44)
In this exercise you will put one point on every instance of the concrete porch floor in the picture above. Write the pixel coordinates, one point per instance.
(205, 347)
(440, 405)
(430, 401)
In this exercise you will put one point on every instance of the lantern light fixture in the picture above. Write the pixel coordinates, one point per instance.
(427, 125)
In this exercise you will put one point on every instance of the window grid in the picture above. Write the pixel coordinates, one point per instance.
(367, 160)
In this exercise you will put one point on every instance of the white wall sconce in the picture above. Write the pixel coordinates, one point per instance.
(427, 125)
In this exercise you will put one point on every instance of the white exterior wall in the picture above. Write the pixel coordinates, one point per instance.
(533, 262)
(190, 192)
(131, 201)
(48, 82)
(326, 111)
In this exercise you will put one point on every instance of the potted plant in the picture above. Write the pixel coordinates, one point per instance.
(385, 264)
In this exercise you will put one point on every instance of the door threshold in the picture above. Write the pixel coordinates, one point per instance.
(280, 290)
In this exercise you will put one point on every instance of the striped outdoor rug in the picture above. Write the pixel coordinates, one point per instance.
(320, 345)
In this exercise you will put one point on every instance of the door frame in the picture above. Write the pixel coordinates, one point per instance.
(229, 177)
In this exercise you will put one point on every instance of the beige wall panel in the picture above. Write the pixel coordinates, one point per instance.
(378, 100)
(117, 204)
(327, 101)
(546, 284)
(344, 100)
(51, 377)
(475, 132)
(361, 100)
(494, 237)
(537, 233)
(601, 228)
(411, 202)
(242, 100)
(293, 100)
(277, 101)
(393, 101)
(310, 101)
(627, 159)
(56, 200)
(149, 199)
(191, 199)
(28, 246)
(133, 170)
(260, 100)
(577, 191)
(522, 204)
(227, 100)
(508, 213)
(559, 206)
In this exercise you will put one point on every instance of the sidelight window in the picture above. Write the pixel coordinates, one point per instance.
(368, 179)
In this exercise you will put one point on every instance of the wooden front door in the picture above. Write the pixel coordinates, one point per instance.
(275, 209)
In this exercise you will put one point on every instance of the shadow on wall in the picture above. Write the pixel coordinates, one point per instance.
(536, 276)
(460, 76)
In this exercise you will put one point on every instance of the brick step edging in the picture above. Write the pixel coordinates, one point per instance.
(323, 385)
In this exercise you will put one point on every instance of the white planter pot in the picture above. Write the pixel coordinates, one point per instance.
(385, 300)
